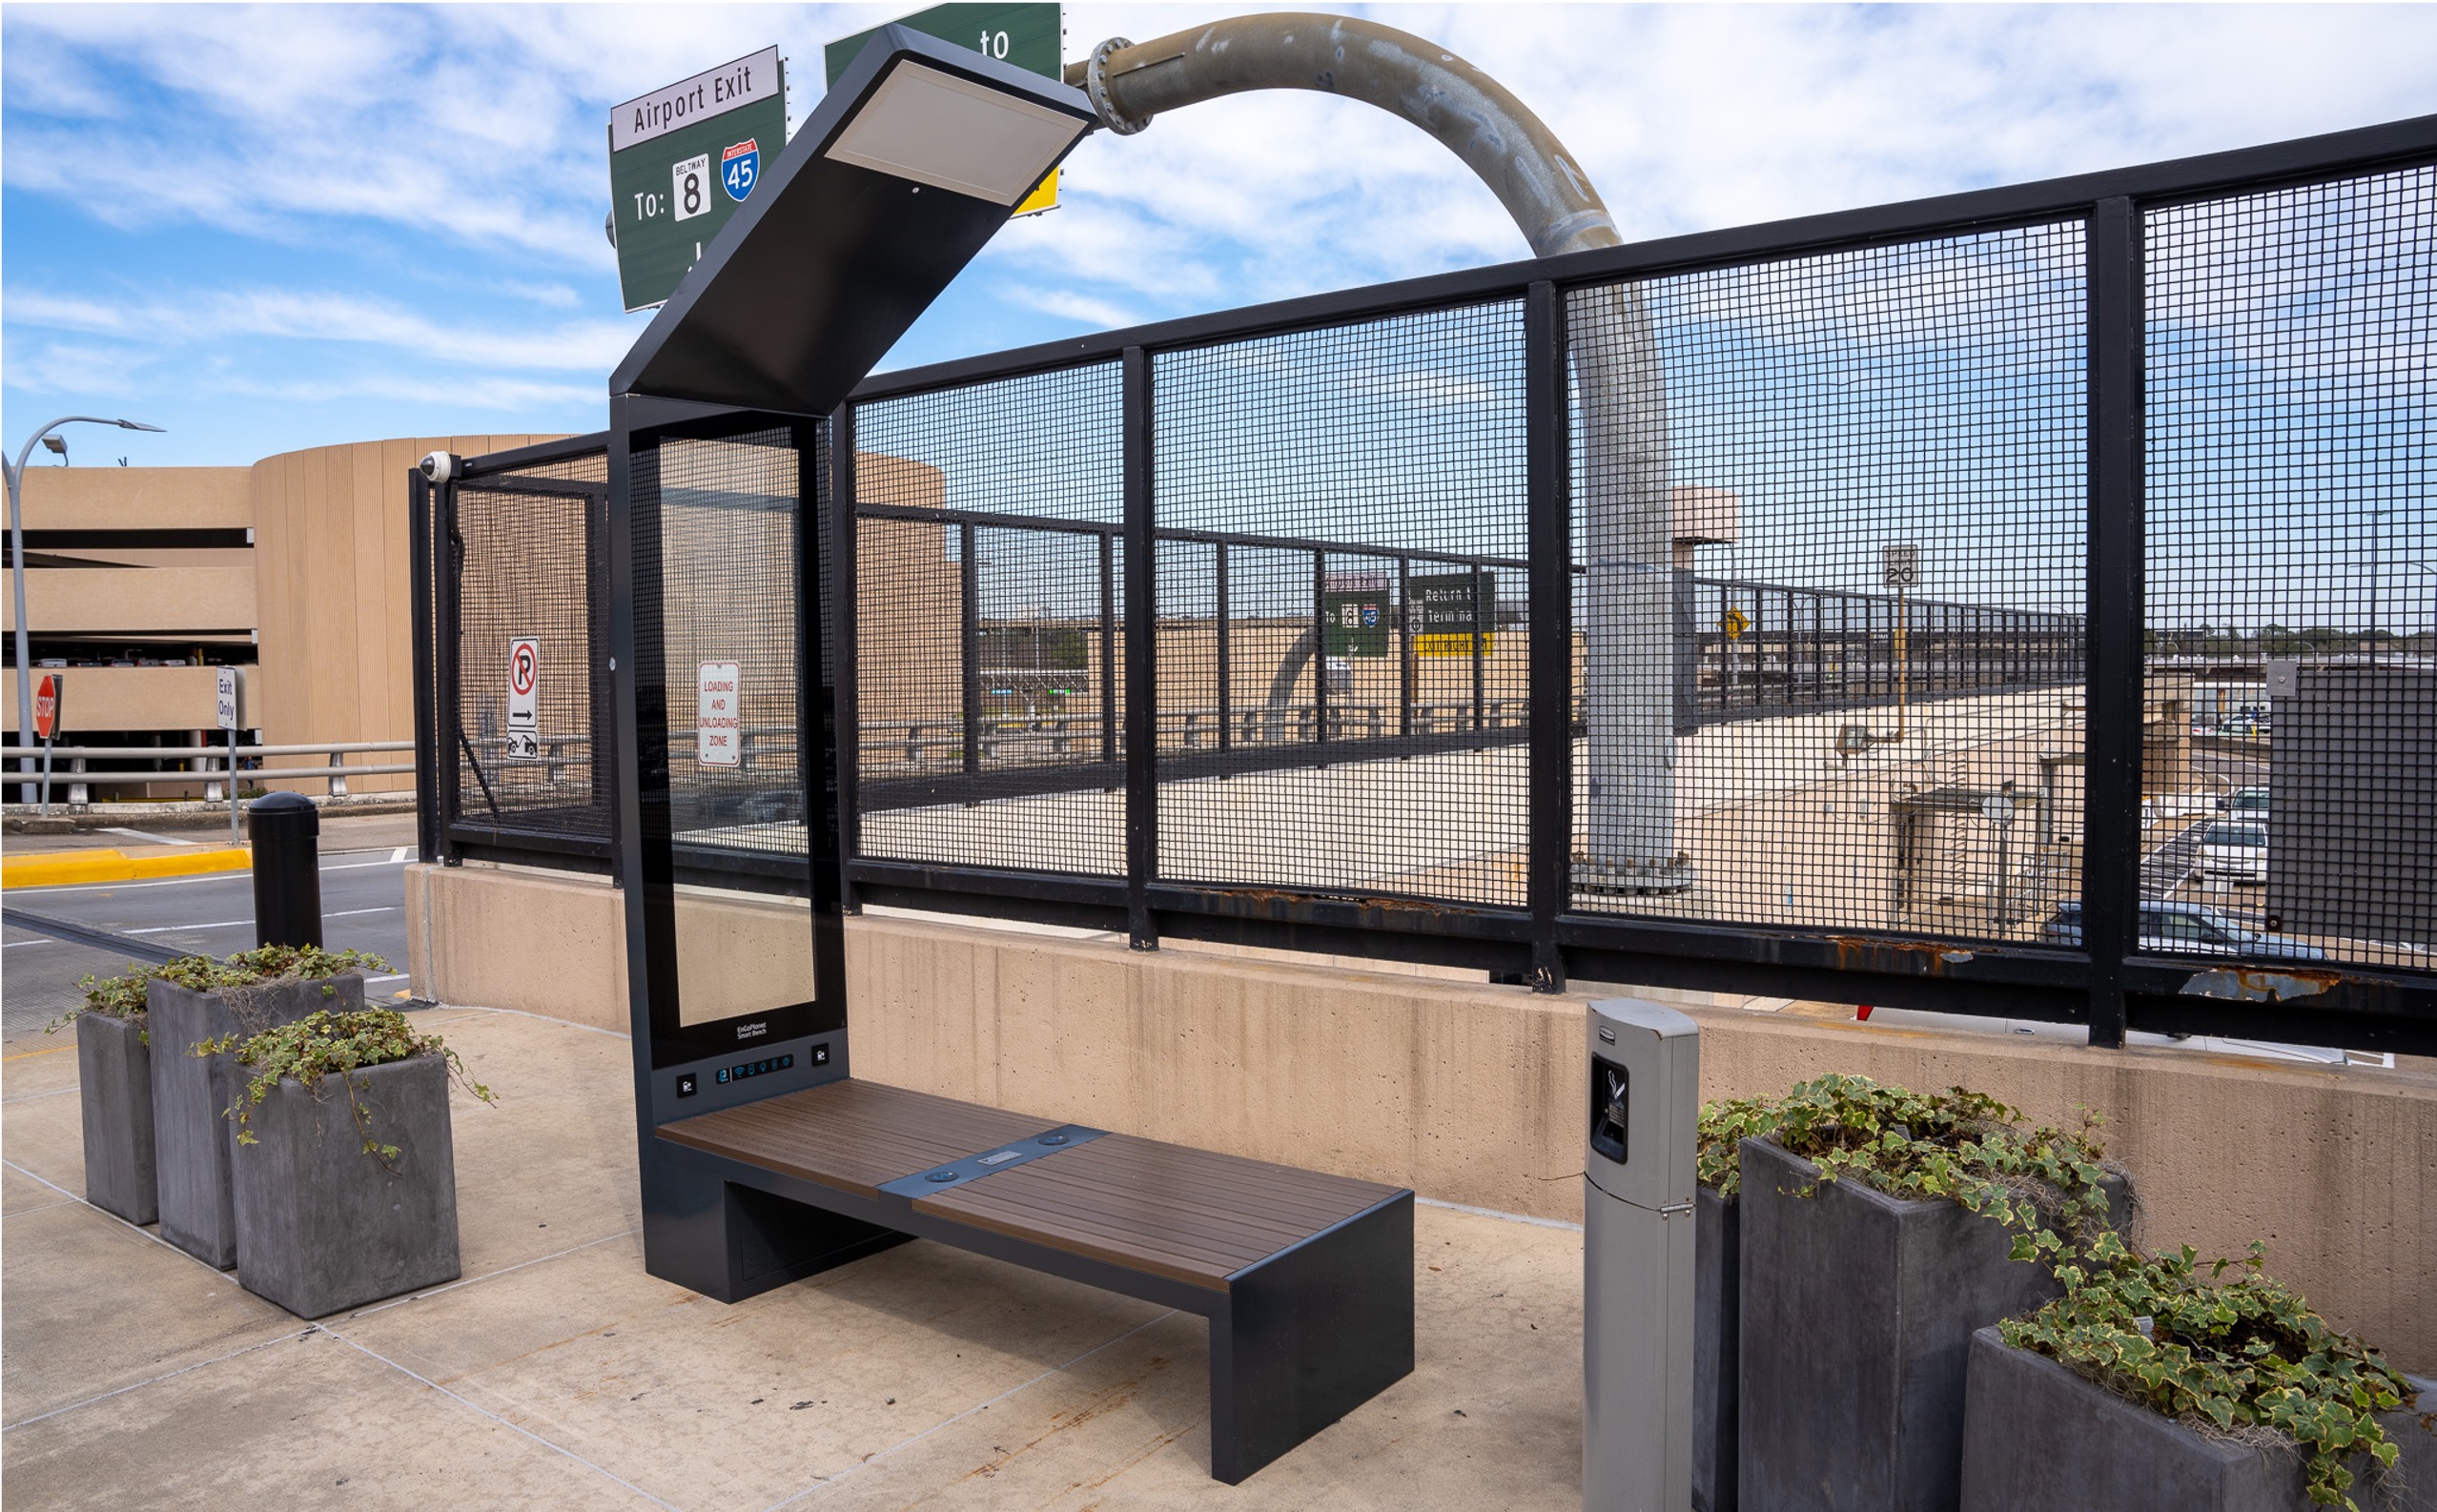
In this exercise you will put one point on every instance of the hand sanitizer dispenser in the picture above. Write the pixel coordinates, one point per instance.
(1644, 1097)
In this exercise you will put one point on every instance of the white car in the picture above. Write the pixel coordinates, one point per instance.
(2236, 848)
(2249, 803)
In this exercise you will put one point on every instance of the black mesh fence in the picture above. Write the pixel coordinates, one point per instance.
(1830, 513)
(728, 519)
(524, 684)
(2290, 770)
(1342, 694)
(990, 591)
(1838, 586)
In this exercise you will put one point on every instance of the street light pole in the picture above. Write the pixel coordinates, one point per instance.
(16, 475)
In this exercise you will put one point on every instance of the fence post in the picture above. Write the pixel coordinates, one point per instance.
(1141, 658)
(844, 658)
(968, 645)
(1109, 651)
(1226, 666)
(1549, 887)
(2110, 790)
(419, 574)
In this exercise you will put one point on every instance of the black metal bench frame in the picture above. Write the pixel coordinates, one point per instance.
(1296, 1341)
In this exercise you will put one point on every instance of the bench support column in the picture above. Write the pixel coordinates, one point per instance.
(1350, 1285)
(730, 1241)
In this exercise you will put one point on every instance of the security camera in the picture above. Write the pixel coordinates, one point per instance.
(439, 467)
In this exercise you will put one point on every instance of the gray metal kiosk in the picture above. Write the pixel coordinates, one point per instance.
(1637, 1258)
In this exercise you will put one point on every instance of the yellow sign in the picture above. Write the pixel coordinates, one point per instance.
(1735, 621)
(1039, 199)
(1454, 645)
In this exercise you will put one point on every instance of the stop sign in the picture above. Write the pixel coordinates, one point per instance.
(45, 702)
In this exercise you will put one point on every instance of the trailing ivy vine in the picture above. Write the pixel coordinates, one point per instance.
(118, 997)
(2235, 1355)
(322, 1045)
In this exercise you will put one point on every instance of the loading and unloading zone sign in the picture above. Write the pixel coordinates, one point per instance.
(524, 700)
(719, 726)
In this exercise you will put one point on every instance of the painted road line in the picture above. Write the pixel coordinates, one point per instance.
(70, 867)
(147, 837)
(402, 853)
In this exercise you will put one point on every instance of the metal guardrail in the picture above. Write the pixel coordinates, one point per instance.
(210, 765)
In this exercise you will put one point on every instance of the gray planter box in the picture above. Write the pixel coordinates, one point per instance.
(192, 1137)
(321, 1225)
(1858, 1317)
(1717, 1327)
(2037, 1438)
(115, 1088)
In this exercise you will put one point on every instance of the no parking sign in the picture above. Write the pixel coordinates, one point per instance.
(524, 699)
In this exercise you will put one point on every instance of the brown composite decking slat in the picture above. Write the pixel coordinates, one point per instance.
(853, 1136)
(1191, 1216)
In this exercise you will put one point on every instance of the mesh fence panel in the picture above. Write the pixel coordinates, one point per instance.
(2291, 768)
(530, 546)
(1829, 517)
(990, 678)
(1343, 470)
(728, 518)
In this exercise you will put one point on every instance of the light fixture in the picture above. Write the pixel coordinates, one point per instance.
(844, 243)
(953, 133)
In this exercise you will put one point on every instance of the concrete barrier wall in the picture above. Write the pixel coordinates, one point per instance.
(1471, 1093)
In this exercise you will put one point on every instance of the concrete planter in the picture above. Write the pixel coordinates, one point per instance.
(1858, 1317)
(192, 1135)
(2037, 1438)
(115, 1088)
(321, 1225)
(1717, 1327)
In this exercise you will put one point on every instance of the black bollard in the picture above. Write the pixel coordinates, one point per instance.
(287, 870)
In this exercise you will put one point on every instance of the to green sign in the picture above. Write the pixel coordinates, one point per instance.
(683, 159)
(1027, 35)
(1356, 611)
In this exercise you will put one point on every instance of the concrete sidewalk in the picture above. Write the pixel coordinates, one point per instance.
(557, 1374)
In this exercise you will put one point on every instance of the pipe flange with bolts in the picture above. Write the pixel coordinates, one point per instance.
(1095, 84)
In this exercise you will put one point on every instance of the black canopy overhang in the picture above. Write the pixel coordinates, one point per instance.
(810, 283)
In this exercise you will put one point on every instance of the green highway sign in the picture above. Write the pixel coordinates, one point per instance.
(1028, 33)
(1445, 614)
(682, 160)
(1356, 613)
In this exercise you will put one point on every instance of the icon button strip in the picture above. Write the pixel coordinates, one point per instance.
(997, 1157)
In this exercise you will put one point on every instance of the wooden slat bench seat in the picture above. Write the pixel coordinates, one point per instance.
(1306, 1279)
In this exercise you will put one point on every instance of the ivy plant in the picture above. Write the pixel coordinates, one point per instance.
(323, 1045)
(268, 963)
(1959, 1145)
(120, 997)
(2244, 1357)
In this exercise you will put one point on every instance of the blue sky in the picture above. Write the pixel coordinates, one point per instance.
(282, 227)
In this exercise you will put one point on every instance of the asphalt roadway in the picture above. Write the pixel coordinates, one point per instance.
(362, 907)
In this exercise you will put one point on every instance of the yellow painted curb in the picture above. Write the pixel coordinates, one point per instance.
(64, 868)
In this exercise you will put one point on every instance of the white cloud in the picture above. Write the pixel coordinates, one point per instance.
(1096, 313)
(588, 346)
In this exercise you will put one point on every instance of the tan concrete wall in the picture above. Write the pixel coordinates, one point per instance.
(1470, 1092)
(331, 565)
(136, 498)
(128, 698)
(136, 601)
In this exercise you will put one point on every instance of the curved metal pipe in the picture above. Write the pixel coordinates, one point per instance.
(1469, 113)
(1623, 488)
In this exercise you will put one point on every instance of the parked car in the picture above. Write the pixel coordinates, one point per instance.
(2245, 803)
(2188, 929)
(2234, 849)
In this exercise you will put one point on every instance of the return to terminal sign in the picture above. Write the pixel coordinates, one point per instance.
(682, 160)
